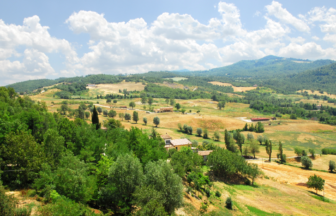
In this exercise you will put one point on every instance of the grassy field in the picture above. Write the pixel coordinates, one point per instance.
(176, 79)
(236, 89)
(292, 133)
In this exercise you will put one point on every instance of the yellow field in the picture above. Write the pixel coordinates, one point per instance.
(236, 89)
(114, 88)
(318, 93)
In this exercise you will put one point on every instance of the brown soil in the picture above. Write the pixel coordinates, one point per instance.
(236, 89)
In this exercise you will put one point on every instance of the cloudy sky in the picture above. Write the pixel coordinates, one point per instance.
(51, 39)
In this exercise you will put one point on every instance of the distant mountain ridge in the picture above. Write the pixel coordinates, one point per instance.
(264, 68)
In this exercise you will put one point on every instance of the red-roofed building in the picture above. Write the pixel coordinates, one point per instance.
(259, 119)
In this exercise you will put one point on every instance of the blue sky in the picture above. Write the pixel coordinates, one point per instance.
(50, 39)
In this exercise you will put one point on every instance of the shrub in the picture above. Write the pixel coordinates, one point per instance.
(329, 151)
(306, 162)
(250, 137)
(207, 192)
(278, 115)
(171, 152)
(218, 194)
(316, 182)
(304, 153)
(22, 211)
(7, 203)
(332, 166)
(228, 203)
(200, 196)
(283, 158)
(293, 116)
(298, 151)
(185, 128)
(312, 152)
(190, 130)
(199, 131)
(205, 134)
(179, 126)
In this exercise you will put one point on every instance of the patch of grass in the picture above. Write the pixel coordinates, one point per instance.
(259, 212)
(244, 187)
(323, 199)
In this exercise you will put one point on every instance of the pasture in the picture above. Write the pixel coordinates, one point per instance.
(236, 89)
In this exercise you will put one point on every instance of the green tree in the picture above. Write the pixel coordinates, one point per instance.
(115, 101)
(135, 116)
(199, 132)
(132, 104)
(269, 149)
(260, 139)
(229, 203)
(105, 112)
(167, 101)
(145, 120)
(216, 135)
(150, 101)
(53, 145)
(312, 152)
(183, 110)
(22, 150)
(306, 162)
(316, 183)
(121, 115)
(87, 115)
(179, 125)
(100, 110)
(156, 121)
(172, 101)
(108, 100)
(95, 119)
(127, 116)
(254, 147)
(125, 175)
(240, 142)
(184, 161)
(177, 106)
(162, 178)
(113, 123)
(259, 128)
(221, 105)
(143, 100)
(205, 134)
(332, 166)
(112, 113)
(190, 130)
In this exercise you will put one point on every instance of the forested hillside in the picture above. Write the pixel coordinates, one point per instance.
(263, 68)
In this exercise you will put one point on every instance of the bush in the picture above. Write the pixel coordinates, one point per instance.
(306, 162)
(293, 116)
(283, 159)
(205, 134)
(7, 203)
(218, 194)
(304, 153)
(207, 192)
(332, 166)
(185, 128)
(329, 151)
(278, 115)
(22, 211)
(312, 152)
(228, 203)
(199, 131)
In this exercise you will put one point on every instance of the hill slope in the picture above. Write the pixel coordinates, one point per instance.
(264, 68)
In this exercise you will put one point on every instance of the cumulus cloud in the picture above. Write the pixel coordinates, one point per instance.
(172, 41)
(276, 9)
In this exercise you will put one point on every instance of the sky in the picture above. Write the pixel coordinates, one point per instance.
(51, 39)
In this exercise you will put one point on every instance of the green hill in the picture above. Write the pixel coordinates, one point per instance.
(266, 67)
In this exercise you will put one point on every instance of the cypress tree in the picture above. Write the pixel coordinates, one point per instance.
(95, 119)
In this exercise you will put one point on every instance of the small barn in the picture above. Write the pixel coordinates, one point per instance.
(259, 119)
(166, 138)
(179, 143)
(204, 154)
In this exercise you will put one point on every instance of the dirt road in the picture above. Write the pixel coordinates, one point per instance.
(298, 177)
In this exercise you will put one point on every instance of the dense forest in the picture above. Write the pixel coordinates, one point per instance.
(74, 166)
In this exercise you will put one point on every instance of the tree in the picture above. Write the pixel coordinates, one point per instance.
(205, 134)
(53, 145)
(240, 142)
(260, 139)
(190, 130)
(180, 126)
(177, 106)
(250, 137)
(332, 166)
(199, 132)
(259, 128)
(135, 116)
(312, 152)
(112, 113)
(127, 116)
(95, 119)
(167, 101)
(87, 115)
(132, 104)
(162, 178)
(306, 162)
(113, 123)
(145, 120)
(216, 135)
(183, 110)
(105, 112)
(121, 115)
(221, 105)
(185, 128)
(108, 100)
(254, 147)
(228, 203)
(150, 101)
(246, 150)
(269, 149)
(125, 175)
(143, 100)
(172, 101)
(316, 182)
(115, 101)
(156, 121)
(100, 110)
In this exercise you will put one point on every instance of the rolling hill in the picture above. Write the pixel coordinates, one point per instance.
(266, 67)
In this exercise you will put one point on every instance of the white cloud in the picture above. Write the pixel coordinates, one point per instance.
(257, 13)
(284, 16)
(325, 17)
(309, 50)
(316, 38)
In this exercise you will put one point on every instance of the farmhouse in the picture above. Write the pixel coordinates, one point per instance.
(164, 109)
(178, 144)
(204, 154)
(259, 119)
(166, 138)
